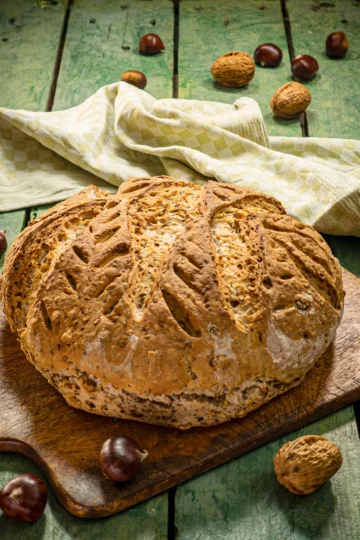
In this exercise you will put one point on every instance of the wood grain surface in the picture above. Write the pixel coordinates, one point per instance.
(65, 442)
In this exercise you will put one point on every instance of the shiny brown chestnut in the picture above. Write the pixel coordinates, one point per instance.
(268, 55)
(337, 45)
(24, 498)
(3, 242)
(304, 67)
(151, 44)
(134, 77)
(121, 458)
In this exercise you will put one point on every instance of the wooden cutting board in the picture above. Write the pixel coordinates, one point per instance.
(36, 421)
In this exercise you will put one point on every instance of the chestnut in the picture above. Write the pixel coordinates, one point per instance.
(134, 77)
(24, 498)
(304, 67)
(121, 458)
(151, 44)
(337, 45)
(3, 242)
(268, 54)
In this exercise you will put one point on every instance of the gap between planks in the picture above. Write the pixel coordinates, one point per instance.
(50, 101)
(172, 529)
(172, 532)
(287, 27)
(175, 80)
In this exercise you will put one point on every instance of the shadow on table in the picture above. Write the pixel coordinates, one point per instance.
(347, 250)
(243, 500)
(307, 515)
(145, 520)
(13, 530)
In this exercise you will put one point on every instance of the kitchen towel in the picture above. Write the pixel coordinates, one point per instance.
(121, 131)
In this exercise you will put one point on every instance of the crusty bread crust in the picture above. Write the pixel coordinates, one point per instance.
(171, 303)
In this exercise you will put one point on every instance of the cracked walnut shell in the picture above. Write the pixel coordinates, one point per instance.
(305, 464)
(290, 100)
(234, 69)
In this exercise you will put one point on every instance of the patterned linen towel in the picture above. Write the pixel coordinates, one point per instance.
(121, 131)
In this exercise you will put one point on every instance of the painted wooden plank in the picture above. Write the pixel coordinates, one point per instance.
(102, 43)
(147, 521)
(29, 37)
(334, 110)
(243, 500)
(209, 28)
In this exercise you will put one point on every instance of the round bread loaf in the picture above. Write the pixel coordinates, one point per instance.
(171, 303)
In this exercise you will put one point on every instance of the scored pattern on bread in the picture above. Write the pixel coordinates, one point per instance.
(39, 246)
(311, 258)
(239, 255)
(172, 303)
(156, 221)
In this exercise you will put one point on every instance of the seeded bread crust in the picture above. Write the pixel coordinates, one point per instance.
(170, 303)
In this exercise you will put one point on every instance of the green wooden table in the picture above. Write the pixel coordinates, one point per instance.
(56, 53)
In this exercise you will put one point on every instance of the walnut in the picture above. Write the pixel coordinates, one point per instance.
(290, 100)
(305, 464)
(233, 69)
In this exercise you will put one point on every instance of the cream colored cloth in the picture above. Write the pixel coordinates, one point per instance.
(122, 131)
